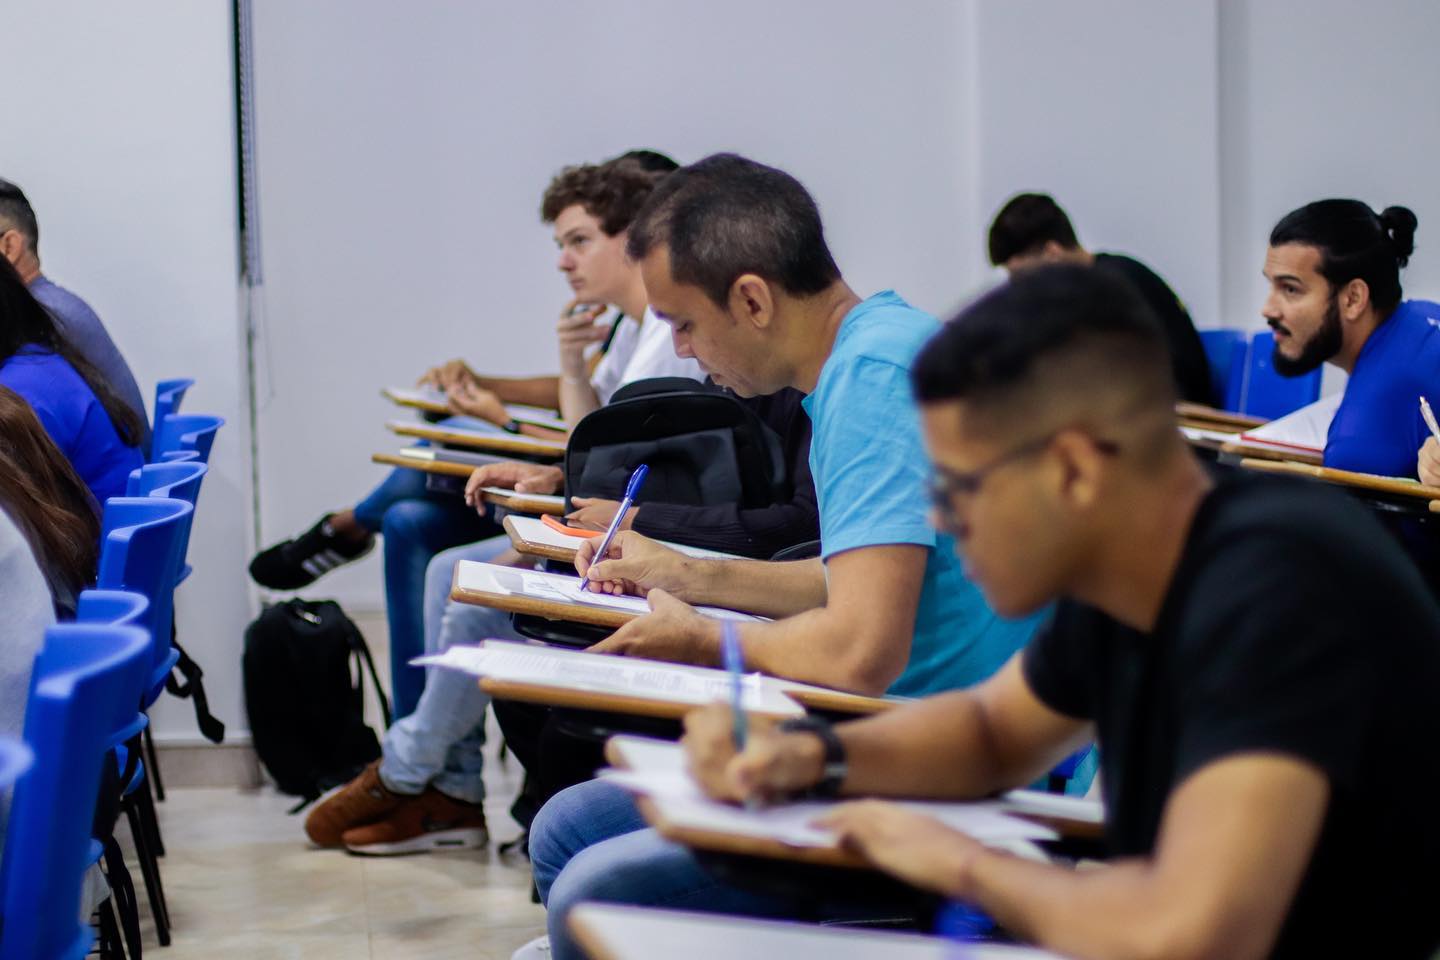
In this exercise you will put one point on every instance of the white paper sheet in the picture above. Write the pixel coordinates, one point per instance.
(1305, 429)
(554, 501)
(656, 770)
(442, 455)
(537, 531)
(628, 676)
(560, 588)
(416, 395)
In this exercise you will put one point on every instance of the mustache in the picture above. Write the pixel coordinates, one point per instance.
(1277, 325)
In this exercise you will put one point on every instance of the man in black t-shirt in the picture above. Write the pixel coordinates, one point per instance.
(1032, 229)
(1256, 659)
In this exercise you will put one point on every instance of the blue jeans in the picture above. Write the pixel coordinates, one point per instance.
(589, 843)
(414, 529)
(440, 742)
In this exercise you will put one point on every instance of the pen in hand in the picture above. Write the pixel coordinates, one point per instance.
(632, 489)
(1429, 416)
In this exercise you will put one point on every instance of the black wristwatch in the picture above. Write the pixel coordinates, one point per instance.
(513, 426)
(833, 773)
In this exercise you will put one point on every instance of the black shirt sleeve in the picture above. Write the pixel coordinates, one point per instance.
(760, 532)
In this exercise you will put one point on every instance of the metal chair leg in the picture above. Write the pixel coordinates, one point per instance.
(149, 872)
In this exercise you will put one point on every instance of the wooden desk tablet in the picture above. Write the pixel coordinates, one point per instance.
(499, 442)
(554, 596)
(1199, 413)
(1243, 451)
(431, 400)
(1406, 491)
(616, 932)
(535, 503)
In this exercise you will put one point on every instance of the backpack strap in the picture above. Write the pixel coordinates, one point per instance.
(194, 689)
(358, 644)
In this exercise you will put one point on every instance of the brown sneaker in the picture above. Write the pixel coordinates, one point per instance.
(363, 800)
(431, 821)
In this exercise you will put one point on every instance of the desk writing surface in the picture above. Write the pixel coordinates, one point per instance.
(675, 805)
(1240, 449)
(432, 400)
(496, 442)
(597, 681)
(1397, 486)
(442, 462)
(1200, 412)
(539, 539)
(555, 596)
(610, 931)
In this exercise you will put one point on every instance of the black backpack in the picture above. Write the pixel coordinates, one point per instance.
(303, 669)
(702, 444)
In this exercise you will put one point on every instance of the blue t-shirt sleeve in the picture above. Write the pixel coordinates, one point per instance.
(870, 465)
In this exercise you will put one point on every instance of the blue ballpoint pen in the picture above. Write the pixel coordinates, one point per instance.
(631, 489)
(735, 665)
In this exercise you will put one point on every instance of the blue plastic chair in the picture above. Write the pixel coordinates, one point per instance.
(141, 540)
(15, 759)
(1226, 352)
(1266, 393)
(168, 395)
(175, 480)
(81, 675)
(185, 431)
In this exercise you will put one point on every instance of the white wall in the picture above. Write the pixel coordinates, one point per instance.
(118, 124)
(404, 148)
(1324, 98)
(1109, 106)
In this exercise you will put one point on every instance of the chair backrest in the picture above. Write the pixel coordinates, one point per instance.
(1268, 394)
(140, 551)
(116, 608)
(15, 759)
(185, 431)
(1225, 352)
(176, 480)
(82, 674)
(168, 395)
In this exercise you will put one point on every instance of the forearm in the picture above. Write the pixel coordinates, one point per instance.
(1115, 912)
(754, 586)
(819, 647)
(532, 391)
(577, 398)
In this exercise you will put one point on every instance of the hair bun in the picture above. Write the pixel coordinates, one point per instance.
(1399, 225)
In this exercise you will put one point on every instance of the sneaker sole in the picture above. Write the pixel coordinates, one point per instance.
(472, 838)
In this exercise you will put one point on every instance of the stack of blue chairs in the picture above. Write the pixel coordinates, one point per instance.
(83, 679)
(1245, 379)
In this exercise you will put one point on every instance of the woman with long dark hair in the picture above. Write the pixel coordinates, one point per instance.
(83, 415)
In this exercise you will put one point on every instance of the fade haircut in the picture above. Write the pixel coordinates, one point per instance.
(726, 216)
(1354, 243)
(17, 214)
(612, 192)
(1058, 344)
(1025, 224)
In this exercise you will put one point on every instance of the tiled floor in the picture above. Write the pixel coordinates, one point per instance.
(242, 881)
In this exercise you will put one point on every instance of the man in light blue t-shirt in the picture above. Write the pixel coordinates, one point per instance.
(20, 244)
(734, 258)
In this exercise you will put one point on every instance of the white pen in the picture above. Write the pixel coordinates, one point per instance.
(1429, 416)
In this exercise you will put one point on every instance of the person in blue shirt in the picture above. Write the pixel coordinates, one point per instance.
(734, 258)
(81, 411)
(20, 244)
(1334, 271)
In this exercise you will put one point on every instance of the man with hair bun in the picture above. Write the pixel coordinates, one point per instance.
(1334, 272)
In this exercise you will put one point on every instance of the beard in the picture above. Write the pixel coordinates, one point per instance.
(1321, 347)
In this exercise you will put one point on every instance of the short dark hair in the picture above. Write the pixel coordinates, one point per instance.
(652, 160)
(1026, 223)
(17, 214)
(726, 216)
(1048, 339)
(1354, 243)
(612, 192)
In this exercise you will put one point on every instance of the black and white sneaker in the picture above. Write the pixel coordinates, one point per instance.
(292, 564)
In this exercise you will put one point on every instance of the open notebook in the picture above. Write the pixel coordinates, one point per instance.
(1305, 429)
(473, 576)
(538, 532)
(657, 770)
(624, 676)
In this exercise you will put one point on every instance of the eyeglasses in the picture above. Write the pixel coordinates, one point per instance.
(946, 485)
